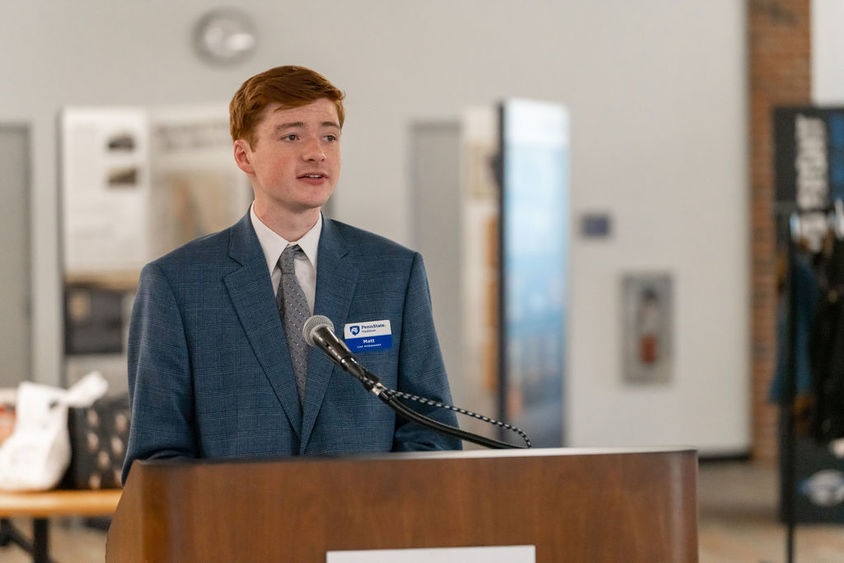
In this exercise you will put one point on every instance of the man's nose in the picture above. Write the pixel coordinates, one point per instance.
(313, 151)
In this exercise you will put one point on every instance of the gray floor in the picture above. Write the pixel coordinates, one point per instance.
(738, 503)
(738, 519)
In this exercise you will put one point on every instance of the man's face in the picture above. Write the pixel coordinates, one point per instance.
(294, 162)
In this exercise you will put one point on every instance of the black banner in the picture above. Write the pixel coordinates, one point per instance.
(809, 156)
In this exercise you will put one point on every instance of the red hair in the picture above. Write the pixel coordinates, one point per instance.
(288, 86)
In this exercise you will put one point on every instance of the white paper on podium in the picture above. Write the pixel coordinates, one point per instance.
(489, 554)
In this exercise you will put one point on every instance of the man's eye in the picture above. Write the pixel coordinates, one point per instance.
(290, 137)
(331, 138)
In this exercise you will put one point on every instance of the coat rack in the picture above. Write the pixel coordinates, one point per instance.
(807, 228)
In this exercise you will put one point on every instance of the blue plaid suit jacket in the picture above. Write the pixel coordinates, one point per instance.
(209, 369)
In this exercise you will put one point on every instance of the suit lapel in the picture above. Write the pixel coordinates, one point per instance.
(336, 278)
(251, 293)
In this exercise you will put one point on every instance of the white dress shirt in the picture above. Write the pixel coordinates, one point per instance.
(274, 244)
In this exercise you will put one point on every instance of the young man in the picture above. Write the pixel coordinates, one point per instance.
(217, 364)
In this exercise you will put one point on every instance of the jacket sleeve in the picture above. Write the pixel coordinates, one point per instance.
(421, 369)
(160, 383)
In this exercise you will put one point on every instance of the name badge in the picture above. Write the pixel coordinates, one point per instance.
(372, 335)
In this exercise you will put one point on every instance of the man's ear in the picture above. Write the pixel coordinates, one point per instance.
(243, 156)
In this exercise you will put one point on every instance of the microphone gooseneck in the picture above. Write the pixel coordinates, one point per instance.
(318, 331)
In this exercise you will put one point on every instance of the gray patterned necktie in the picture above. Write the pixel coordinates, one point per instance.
(294, 311)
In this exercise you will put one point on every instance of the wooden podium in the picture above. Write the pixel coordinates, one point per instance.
(572, 504)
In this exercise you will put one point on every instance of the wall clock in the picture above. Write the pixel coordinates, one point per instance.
(224, 36)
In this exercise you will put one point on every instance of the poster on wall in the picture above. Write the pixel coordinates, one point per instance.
(647, 304)
(105, 190)
(138, 183)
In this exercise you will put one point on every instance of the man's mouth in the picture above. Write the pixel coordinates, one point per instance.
(313, 176)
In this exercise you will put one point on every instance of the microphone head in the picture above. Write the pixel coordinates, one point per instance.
(313, 323)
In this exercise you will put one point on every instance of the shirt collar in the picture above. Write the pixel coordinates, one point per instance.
(274, 244)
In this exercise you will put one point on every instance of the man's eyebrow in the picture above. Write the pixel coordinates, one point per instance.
(297, 124)
(291, 125)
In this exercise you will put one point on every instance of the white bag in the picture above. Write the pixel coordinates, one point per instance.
(37, 453)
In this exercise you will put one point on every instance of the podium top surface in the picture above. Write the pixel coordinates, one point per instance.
(435, 455)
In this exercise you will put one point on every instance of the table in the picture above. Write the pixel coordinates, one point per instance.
(41, 505)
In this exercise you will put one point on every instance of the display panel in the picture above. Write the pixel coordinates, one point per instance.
(534, 267)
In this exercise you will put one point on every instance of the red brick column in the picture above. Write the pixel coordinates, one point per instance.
(779, 35)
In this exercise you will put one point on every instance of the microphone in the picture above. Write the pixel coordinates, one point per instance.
(318, 331)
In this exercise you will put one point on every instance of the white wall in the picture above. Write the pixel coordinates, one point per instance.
(656, 90)
(827, 52)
